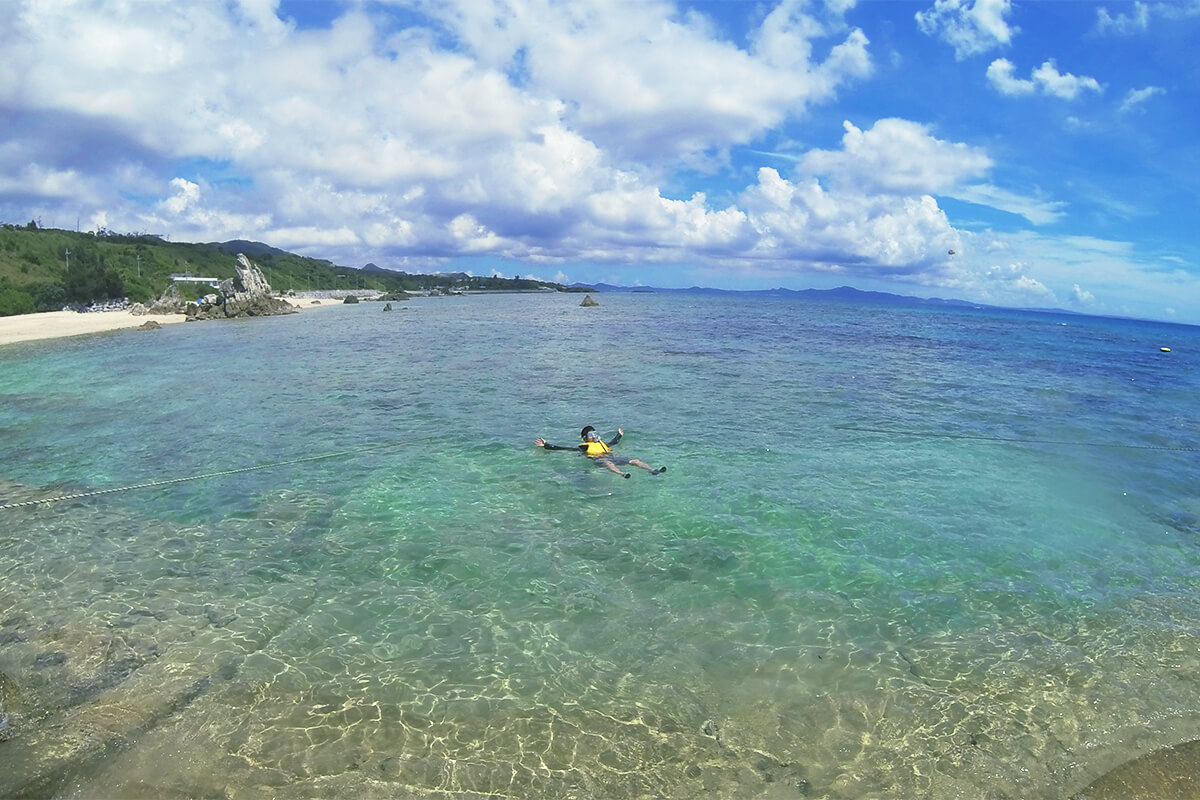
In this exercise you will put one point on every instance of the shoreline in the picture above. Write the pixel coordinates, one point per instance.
(63, 324)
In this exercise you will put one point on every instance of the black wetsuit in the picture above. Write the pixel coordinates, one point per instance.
(582, 448)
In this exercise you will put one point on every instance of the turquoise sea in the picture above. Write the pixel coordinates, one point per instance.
(898, 553)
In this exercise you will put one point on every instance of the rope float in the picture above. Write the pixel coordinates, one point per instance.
(170, 481)
(1012, 440)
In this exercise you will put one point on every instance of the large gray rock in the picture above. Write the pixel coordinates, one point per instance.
(247, 295)
(588, 302)
(171, 302)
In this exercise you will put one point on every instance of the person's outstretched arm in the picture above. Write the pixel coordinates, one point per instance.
(617, 438)
(544, 444)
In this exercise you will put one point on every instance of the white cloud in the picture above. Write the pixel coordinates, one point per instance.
(189, 208)
(313, 236)
(643, 81)
(1064, 85)
(398, 138)
(897, 156)
(801, 224)
(1136, 98)
(548, 132)
(1140, 16)
(36, 180)
(1001, 74)
(1135, 20)
(186, 194)
(1047, 78)
(1037, 210)
(1010, 283)
(1108, 268)
(971, 27)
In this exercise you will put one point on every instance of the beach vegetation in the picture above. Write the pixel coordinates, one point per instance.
(89, 277)
(48, 296)
(15, 301)
(30, 298)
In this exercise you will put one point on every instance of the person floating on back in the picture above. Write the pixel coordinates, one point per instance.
(600, 452)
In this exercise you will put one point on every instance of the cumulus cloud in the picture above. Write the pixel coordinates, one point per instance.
(543, 132)
(897, 157)
(901, 157)
(1064, 85)
(882, 235)
(189, 207)
(1001, 73)
(971, 27)
(643, 81)
(186, 194)
(518, 138)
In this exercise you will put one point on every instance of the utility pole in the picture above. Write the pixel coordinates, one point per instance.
(138, 256)
(68, 255)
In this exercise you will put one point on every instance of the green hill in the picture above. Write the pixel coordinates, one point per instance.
(43, 269)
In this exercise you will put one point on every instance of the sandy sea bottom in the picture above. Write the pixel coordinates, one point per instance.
(897, 553)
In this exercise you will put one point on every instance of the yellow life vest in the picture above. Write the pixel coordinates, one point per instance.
(596, 448)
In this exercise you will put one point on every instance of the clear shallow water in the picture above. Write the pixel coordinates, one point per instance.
(980, 602)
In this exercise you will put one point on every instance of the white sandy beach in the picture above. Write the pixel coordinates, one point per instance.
(56, 324)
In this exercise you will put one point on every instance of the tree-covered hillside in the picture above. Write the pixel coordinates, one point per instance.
(43, 269)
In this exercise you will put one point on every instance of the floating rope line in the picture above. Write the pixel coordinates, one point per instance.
(170, 481)
(1012, 440)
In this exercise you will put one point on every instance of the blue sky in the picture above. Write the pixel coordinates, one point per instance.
(1053, 146)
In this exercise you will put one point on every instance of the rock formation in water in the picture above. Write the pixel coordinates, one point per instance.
(588, 301)
(247, 295)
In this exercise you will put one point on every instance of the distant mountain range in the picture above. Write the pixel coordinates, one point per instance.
(845, 294)
(373, 267)
(842, 294)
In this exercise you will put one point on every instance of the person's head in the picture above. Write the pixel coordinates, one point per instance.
(589, 434)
